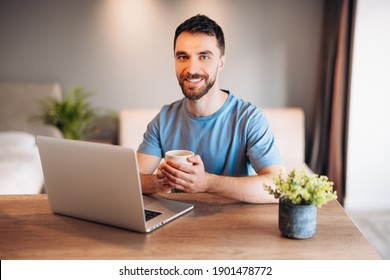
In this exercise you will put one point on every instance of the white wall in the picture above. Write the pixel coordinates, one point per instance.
(368, 184)
(123, 49)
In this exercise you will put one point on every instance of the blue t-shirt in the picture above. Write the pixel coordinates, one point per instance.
(234, 141)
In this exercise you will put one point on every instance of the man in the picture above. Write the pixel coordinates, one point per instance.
(235, 150)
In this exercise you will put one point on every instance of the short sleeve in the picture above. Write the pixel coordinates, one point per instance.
(151, 140)
(261, 147)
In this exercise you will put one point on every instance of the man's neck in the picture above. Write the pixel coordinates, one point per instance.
(208, 104)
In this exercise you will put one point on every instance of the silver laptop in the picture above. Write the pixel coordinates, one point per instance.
(101, 183)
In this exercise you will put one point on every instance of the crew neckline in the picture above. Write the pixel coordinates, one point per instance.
(217, 113)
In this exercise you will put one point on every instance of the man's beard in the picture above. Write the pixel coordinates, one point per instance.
(192, 93)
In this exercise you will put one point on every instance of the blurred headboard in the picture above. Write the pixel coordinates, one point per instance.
(288, 127)
(132, 126)
(18, 102)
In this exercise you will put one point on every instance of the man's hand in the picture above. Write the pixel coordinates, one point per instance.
(194, 179)
(161, 183)
(185, 177)
(151, 181)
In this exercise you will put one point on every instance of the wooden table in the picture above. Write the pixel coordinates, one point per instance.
(216, 229)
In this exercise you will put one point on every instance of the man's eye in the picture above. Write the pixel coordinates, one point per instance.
(182, 57)
(204, 57)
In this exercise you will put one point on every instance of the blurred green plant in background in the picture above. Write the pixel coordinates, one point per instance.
(72, 115)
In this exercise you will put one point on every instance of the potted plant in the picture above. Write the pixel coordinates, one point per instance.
(300, 194)
(72, 115)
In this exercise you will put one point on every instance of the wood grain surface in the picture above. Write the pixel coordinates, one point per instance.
(216, 228)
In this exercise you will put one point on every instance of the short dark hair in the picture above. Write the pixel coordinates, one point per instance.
(202, 24)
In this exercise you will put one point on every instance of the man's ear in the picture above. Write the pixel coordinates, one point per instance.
(221, 63)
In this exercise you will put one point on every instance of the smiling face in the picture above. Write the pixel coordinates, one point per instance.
(198, 61)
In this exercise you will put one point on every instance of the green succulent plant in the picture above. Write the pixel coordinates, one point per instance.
(72, 115)
(301, 188)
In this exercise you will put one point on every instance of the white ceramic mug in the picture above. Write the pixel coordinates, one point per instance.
(179, 156)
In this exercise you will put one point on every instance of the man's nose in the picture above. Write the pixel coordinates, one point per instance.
(192, 66)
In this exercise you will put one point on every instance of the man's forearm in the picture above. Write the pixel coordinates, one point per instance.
(152, 183)
(249, 189)
(148, 183)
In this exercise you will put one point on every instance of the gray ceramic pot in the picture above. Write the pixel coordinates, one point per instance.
(297, 221)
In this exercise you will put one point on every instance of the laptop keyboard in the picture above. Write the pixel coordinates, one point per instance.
(150, 214)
